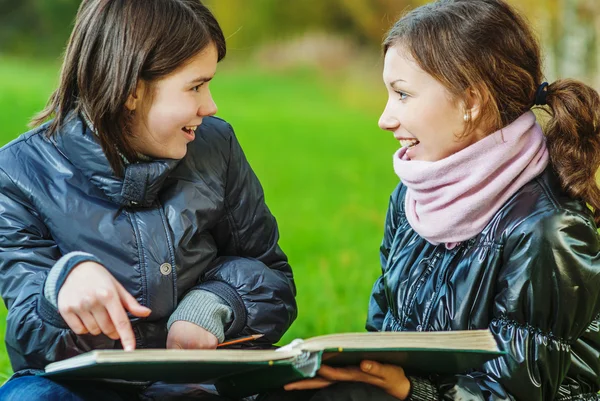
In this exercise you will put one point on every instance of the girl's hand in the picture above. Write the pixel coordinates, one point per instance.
(390, 378)
(187, 335)
(92, 301)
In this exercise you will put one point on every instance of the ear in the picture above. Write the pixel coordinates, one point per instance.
(134, 99)
(475, 99)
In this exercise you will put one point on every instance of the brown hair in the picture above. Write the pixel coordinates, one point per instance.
(487, 46)
(114, 44)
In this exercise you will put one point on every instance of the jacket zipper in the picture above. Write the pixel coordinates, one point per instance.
(427, 313)
(142, 258)
(171, 249)
(413, 298)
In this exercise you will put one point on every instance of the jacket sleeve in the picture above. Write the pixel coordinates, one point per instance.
(252, 273)
(545, 304)
(204, 309)
(378, 305)
(36, 334)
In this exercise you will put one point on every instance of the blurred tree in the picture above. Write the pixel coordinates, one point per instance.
(578, 45)
(364, 20)
(272, 20)
(35, 27)
(568, 29)
(370, 19)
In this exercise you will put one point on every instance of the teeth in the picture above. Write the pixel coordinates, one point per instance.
(407, 143)
(191, 127)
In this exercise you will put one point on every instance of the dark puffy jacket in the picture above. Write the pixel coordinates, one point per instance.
(198, 215)
(532, 276)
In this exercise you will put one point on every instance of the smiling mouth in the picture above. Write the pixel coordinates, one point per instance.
(191, 129)
(409, 143)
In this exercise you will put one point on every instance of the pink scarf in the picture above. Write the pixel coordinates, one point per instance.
(453, 199)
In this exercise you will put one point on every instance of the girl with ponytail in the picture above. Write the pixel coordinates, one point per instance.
(494, 223)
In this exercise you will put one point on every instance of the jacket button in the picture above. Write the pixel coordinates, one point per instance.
(165, 269)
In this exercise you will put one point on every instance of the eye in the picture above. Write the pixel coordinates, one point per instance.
(403, 95)
(197, 87)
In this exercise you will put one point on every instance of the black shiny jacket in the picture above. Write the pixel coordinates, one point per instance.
(199, 214)
(532, 276)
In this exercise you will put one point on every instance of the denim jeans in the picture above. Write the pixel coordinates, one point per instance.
(33, 388)
(43, 389)
(38, 388)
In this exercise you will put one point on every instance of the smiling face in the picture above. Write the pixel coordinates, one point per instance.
(421, 112)
(167, 111)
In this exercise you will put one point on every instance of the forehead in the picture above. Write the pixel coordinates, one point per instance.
(399, 64)
(202, 64)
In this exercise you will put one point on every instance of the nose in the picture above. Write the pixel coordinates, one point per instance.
(388, 121)
(208, 106)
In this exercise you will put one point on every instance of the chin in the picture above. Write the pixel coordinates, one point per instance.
(179, 155)
(173, 154)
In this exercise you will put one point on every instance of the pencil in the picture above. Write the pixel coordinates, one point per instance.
(240, 340)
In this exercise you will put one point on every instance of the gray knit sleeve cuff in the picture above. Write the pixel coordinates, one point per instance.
(422, 390)
(59, 272)
(204, 309)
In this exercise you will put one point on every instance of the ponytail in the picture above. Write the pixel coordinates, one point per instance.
(573, 138)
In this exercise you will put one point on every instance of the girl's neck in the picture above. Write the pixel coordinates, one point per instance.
(140, 156)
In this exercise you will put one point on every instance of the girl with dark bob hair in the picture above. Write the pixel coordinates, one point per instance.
(131, 219)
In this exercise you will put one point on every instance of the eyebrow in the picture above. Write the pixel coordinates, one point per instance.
(396, 81)
(201, 80)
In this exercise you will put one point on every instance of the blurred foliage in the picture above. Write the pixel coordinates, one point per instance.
(36, 27)
(569, 29)
(366, 21)
(41, 27)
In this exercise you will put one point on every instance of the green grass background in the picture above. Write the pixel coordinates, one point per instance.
(326, 168)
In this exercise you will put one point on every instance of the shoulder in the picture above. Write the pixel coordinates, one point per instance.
(541, 211)
(217, 125)
(556, 245)
(26, 154)
(213, 131)
(24, 143)
(396, 217)
(213, 150)
(397, 199)
(554, 230)
(21, 164)
(540, 205)
(215, 141)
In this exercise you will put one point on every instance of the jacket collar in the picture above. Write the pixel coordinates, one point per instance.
(141, 182)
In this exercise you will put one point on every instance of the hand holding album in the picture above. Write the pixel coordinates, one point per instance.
(390, 378)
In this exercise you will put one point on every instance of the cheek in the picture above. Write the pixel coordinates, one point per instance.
(166, 117)
(442, 121)
(421, 120)
(436, 126)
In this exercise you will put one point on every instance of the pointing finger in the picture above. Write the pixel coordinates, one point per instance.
(122, 324)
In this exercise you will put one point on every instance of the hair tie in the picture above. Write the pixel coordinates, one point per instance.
(541, 94)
